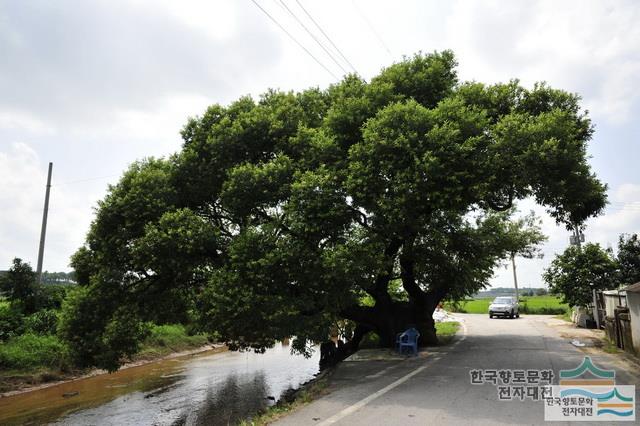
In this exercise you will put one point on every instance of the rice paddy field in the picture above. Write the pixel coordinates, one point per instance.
(542, 305)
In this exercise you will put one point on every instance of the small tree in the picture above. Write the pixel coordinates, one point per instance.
(578, 271)
(629, 259)
(19, 285)
(525, 236)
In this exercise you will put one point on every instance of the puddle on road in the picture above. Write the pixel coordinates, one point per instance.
(209, 388)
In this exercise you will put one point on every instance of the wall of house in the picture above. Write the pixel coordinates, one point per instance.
(633, 301)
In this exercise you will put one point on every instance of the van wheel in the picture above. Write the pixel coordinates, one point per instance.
(511, 316)
(490, 315)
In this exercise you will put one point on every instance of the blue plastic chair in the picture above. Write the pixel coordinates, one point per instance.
(408, 340)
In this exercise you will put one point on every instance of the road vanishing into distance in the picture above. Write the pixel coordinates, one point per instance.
(436, 389)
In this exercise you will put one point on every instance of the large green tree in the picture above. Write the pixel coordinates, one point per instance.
(277, 215)
(578, 271)
(20, 286)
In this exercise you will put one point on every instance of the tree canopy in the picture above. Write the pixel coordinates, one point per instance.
(20, 286)
(629, 259)
(278, 214)
(578, 271)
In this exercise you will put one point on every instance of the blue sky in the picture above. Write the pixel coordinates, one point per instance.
(93, 86)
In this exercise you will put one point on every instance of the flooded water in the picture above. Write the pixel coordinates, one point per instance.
(211, 388)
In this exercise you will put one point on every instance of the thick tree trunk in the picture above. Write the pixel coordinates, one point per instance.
(404, 315)
(331, 354)
(391, 318)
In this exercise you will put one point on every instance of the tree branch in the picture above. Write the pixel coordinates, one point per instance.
(500, 208)
(407, 272)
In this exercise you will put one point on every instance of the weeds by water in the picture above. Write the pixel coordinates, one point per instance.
(304, 396)
(32, 359)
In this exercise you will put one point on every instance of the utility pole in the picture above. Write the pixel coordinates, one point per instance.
(43, 231)
(577, 239)
(515, 276)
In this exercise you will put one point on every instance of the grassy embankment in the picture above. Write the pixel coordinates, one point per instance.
(541, 305)
(31, 359)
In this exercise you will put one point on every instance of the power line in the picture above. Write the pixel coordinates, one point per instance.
(312, 35)
(295, 40)
(373, 30)
(327, 37)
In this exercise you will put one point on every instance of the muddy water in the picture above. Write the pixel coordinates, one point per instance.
(211, 388)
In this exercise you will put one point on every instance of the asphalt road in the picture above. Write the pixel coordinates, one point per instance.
(436, 389)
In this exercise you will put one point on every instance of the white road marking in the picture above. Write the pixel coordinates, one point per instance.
(381, 372)
(464, 333)
(358, 405)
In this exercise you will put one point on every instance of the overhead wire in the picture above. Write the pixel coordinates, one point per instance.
(327, 37)
(294, 39)
(313, 36)
(371, 27)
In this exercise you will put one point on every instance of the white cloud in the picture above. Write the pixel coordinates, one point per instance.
(21, 201)
(628, 193)
(217, 19)
(622, 216)
(21, 121)
(589, 47)
(93, 86)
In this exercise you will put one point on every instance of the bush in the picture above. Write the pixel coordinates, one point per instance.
(30, 350)
(370, 340)
(51, 296)
(172, 336)
(98, 333)
(11, 321)
(42, 322)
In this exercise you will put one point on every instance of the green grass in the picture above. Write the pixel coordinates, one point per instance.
(169, 338)
(282, 408)
(609, 346)
(31, 351)
(566, 316)
(31, 359)
(446, 331)
(542, 305)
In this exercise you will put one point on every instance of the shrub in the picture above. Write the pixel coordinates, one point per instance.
(370, 340)
(11, 321)
(31, 350)
(172, 336)
(98, 333)
(51, 296)
(42, 322)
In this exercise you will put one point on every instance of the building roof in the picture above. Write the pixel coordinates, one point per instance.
(633, 288)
